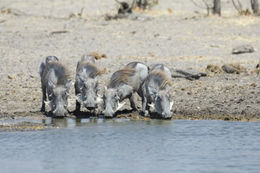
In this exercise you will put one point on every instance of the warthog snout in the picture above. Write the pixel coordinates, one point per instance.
(109, 111)
(90, 103)
(91, 106)
(108, 114)
(59, 99)
(166, 115)
(60, 112)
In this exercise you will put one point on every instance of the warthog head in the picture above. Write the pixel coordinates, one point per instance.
(162, 103)
(88, 95)
(111, 102)
(58, 98)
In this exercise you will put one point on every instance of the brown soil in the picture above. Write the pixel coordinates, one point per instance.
(173, 33)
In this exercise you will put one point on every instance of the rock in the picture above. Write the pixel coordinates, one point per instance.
(97, 56)
(20, 74)
(243, 49)
(256, 70)
(124, 8)
(59, 32)
(169, 10)
(103, 71)
(233, 68)
(187, 74)
(214, 69)
(11, 77)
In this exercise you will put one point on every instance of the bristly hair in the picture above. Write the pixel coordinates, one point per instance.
(60, 71)
(161, 78)
(121, 76)
(133, 64)
(92, 68)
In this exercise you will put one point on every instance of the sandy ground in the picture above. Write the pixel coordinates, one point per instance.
(175, 33)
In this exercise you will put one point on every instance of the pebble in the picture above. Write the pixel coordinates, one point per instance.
(11, 77)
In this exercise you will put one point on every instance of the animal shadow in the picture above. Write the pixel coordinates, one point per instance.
(155, 115)
(81, 114)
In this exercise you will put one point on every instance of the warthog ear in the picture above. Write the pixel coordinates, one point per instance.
(80, 78)
(79, 98)
(171, 104)
(99, 99)
(42, 67)
(120, 105)
(117, 97)
(68, 84)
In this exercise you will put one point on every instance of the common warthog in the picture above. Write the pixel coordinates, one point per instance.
(55, 80)
(122, 85)
(86, 85)
(155, 93)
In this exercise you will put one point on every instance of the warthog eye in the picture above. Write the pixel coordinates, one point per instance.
(157, 97)
(65, 95)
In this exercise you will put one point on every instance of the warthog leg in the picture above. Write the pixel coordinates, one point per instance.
(44, 98)
(145, 107)
(131, 99)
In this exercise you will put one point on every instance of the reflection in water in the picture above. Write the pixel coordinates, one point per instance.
(159, 122)
(86, 121)
(71, 122)
(59, 122)
(119, 145)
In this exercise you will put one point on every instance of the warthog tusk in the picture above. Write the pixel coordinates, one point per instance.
(120, 105)
(171, 104)
(151, 105)
(47, 103)
(99, 99)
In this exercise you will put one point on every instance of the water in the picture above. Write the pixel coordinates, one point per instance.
(95, 145)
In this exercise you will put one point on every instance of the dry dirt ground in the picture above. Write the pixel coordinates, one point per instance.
(175, 33)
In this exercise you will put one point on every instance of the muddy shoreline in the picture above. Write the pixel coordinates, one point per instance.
(181, 38)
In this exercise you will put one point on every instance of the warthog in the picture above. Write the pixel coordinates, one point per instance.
(55, 81)
(86, 85)
(155, 93)
(122, 85)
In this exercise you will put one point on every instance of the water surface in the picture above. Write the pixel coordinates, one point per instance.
(96, 145)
